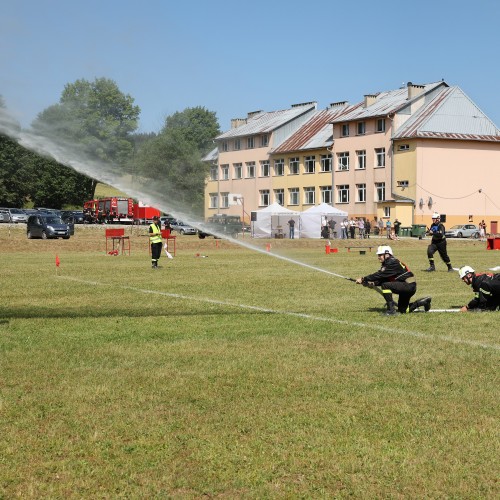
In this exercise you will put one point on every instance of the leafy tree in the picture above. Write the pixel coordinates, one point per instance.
(173, 158)
(97, 119)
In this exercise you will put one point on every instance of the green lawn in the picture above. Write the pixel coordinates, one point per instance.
(240, 375)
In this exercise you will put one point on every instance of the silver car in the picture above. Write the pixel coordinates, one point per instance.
(17, 215)
(463, 231)
(182, 228)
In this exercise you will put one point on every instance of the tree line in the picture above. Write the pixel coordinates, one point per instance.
(101, 123)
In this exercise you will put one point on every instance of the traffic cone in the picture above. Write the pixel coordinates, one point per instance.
(327, 249)
(268, 247)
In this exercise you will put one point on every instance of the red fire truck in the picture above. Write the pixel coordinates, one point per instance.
(118, 210)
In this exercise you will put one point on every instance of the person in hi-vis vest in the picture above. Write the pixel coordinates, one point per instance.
(155, 241)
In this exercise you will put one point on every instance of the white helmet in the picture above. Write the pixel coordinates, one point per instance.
(464, 270)
(383, 249)
(435, 215)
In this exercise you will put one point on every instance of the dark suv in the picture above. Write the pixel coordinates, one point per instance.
(47, 226)
(229, 225)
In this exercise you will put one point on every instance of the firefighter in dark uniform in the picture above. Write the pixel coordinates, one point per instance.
(438, 243)
(155, 241)
(486, 290)
(395, 277)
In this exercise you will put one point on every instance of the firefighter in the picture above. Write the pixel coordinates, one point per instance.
(395, 277)
(486, 289)
(155, 241)
(438, 243)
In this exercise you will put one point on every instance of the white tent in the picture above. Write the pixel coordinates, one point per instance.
(272, 222)
(312, 219)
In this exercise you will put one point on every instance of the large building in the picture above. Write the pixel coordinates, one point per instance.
(403, 154)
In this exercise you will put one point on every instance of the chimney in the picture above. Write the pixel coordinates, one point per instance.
(414, 90)
(339, 104)
(250, 114)
(310, 103)
(238, 122)
(370, 99)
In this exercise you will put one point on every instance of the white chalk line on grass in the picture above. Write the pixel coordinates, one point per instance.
(380, 328)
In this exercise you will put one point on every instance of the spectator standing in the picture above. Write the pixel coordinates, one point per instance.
(291, 224)
(343, 229)
(361, 228)
(388, 226)
(368, 228)
(352, 228)
(397, 225)
(482, 230)
(380, 227)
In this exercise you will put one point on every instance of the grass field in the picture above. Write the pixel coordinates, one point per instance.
(240, 375)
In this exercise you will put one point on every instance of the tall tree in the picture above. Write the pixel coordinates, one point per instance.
(173, 158)
(97, 119)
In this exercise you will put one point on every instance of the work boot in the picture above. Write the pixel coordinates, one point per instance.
(431, 268)
(391, 309)
(450, 269)
(425, 303)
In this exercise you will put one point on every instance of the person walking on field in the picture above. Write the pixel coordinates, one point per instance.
(438, 244)
(486, 290)
(155, 241)
(395, 277)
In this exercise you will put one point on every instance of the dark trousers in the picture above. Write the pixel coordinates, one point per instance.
(439, 247)
(404, 290)
(155, 252)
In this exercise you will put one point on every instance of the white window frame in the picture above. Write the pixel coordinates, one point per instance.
(224, 200)
(238, 170)
(250, 142)
(279, 167)
(360, 128)
(279, 196)
(361, 193)
(387, 212)
(310, 164)
(237, 144)
(264, 197)
(361, 159)
(404, 147)
(344, 130)
(379, 157)
(326, 163)
(214, 172)
(293, 195)
(380, 126)
(265, 168)
(309, 195)
(294, 165)
(224, 172)
(380, 191)
(250, 168)
(225, 147)
(326, 194)
(264, 140)
(214, 200)
(343, 193)
(343, 161)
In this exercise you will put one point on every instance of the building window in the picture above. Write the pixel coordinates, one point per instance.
(224, 200)
(264, 197)
(404, 147)
(294, 166)
(403, 184)
(224, 146)
(380, 157)
(293, 194)
(214, 171)
(224, 170)
(343, 193)
(264, 168)
(326, 194)
(279, 167)
(309, 164)
(387, 212)
(250, 143)
(279, 196)
(237, 145)
(361, 192)
(380, 191)
(361, 155)
(264, 140)
(380, 125)
(309, 195)
(214, 199)
(326, 163)
(360, 128)
(250, 169)
(345, 130)
(343, 161)
(238, 171)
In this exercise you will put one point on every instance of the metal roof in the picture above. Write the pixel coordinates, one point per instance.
(386, 103)
(315, 133)
(450, 115)
(265, 122)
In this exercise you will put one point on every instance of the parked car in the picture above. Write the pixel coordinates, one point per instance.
(75, 216)
(47, 226)
(181, 228)
(17, 215)
(463, 231)
(221, 224)
(4, 215)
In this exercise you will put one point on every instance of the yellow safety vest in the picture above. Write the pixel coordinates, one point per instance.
(154, 233)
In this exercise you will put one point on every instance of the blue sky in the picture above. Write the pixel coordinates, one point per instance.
(235, 57)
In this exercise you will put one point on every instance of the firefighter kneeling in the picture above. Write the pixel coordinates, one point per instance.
(395, 277)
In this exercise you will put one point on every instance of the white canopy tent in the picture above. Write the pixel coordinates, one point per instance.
(312, 219)
(272, 222)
